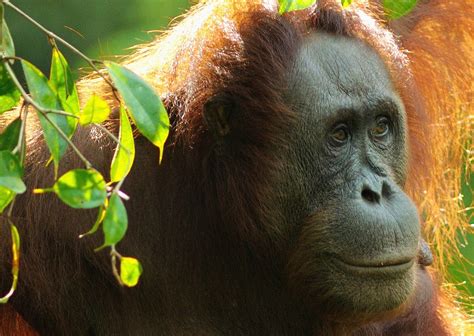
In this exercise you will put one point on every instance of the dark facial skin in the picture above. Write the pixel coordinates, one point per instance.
(357, 233)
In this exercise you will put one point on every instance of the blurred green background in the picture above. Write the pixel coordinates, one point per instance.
(99, 28)
(104, 28)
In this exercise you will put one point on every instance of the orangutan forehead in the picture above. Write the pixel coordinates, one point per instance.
(331, 69)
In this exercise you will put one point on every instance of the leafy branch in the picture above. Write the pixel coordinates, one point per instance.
(394, 9)
(44, 112)
(60, 113)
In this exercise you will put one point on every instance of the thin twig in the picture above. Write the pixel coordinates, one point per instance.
(73, 146)
(113, 258)
(45, 112)
(27, 98)
(113, 137)
(10, 208)
(19, 144)
(52, 35)
(22, 137)
(110, 134)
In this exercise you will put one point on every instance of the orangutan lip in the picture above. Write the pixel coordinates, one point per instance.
(382, 266)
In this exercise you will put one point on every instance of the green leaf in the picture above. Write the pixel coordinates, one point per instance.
(130, 271)
(9, 93)
(9, 137)
(346, 3)
(115, 221)
(98, 221)
(7, 48)
(71, 105)
(395, 9)
(45, 96)
(6, 196)
(11, 173)
(15, 250)
(15, 263)
(96, 111)
(143, 104)
(60, 77)
(125, 152)
(80, 189)
(292, 5)
(62, 82)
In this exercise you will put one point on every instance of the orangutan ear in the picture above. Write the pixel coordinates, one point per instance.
(217, 113)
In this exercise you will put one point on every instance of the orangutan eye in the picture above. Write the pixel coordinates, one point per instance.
(381, 129)
(340, 135)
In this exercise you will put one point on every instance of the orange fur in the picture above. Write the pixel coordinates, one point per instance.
(436, 42)
(431, 49)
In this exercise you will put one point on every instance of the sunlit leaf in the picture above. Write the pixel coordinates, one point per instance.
(292, 5)
(7, 48)
(15, 250)
(45, 96)
(80, 189)
(143, 104)
(9, 137)
(130, 271)
(11, 173)
(15, 262)
(98, 221)
(62, 82)
(60, 76)
(346, 3)
(6, 196)
(96, 111)
(125, 152)
(9, 93)
(115, 221)
(71, 105)
(395, 9)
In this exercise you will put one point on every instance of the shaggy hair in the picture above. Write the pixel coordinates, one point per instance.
(243, 49)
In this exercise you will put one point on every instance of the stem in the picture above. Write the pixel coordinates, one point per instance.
(112, 136)
(45, 112)
(65, 137)
(10, 208)
(28, 99)
(118, 186)
(113, 258)
(50, 34)
(109, 134)
(23, 116)
(15, 265)
(64, 113)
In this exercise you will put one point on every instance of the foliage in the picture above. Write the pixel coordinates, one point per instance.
(80, 189)
(56, 101)
(292, 5)
(125, 153)
(397, 8)
(9, 94)
(393, 8)
(145, 107)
